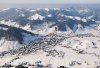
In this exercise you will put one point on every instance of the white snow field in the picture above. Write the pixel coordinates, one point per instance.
(74, 52)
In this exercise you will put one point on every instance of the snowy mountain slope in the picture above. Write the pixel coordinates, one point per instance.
(12, 37)
(36, 16)
(6, 45)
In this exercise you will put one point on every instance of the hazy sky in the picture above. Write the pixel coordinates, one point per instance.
(42, 3)
(49, 1)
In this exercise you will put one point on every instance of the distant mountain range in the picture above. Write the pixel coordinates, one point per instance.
(52, 17)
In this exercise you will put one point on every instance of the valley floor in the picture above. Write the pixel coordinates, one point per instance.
(74, 52)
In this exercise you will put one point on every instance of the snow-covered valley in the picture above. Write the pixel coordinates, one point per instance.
(52, 37)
